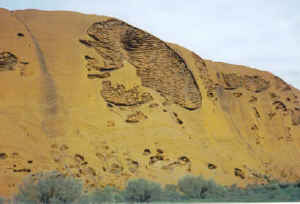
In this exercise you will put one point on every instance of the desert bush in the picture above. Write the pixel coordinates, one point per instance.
(108, 194)
(234, 194)
(265, 192)
(293, 192)
(199, 188)
(170, 193)
(273, 191)
(141, 190)
(84, 199)
(55, 188)
(215, 191)
(49, 188)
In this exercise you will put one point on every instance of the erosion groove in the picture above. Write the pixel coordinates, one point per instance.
(210, 86)
(50, 97)
(159, 67)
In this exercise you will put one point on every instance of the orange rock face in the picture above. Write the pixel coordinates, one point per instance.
(101, 100)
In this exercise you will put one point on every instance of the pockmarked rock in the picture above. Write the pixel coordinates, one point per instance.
(104, 101)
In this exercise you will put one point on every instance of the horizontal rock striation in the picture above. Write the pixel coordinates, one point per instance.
(119, 95)
(159, 67)
(251, 83)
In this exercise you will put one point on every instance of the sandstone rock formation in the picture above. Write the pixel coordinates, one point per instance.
(159, 66)
(7, 61)
(101, 100)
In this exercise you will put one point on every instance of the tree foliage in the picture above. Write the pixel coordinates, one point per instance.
(171, 193)
(55, 188)
(141, 190)
(108, 194)
(199, 188)
(48, 188)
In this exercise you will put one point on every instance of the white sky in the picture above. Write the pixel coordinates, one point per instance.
(264, 34)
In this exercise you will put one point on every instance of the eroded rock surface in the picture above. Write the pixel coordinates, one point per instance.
(251, 83)
(159, 67)
(296, 117)
(7, 61)
(136, 117)
(121, 96)
(114, 104)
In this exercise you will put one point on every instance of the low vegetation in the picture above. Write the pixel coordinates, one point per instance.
(198, 188)
(50, 187)
(55, 188)
(107, 195)
(142, 191)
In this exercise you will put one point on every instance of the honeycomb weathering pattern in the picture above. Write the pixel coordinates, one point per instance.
(7, 61)
(159, 67)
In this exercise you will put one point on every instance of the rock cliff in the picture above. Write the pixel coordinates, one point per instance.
(99, 99)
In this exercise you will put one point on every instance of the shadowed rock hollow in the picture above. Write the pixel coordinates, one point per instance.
(101, 100)
(7, 61)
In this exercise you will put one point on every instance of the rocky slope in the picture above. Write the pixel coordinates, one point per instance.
(104, 101)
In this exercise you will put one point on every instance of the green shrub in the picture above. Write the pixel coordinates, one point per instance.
(170, 193)
(108, 194)
(274, 191)
(1, 200)
(234, 194)
(141, 190)
(54, 188)
(49, 187)
(199, 188)
(84, 199)
(294, 193)
(215, 191)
